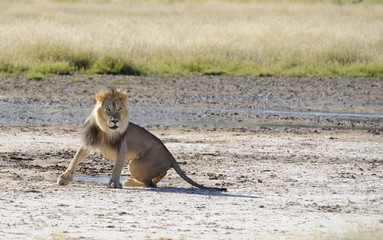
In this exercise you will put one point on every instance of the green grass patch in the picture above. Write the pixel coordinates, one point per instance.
(53, 58)
(10, 68)
(114, 64)
(59, 68)
(35, 76)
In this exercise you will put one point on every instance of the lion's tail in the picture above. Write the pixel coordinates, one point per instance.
(178, 169)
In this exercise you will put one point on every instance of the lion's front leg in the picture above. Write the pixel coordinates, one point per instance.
(114, 181)
(67, 176)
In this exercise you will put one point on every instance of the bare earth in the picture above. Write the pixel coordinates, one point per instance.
(290, 174)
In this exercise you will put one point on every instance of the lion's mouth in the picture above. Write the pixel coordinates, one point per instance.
(113, 127)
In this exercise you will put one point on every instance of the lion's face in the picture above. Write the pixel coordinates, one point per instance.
(112, 114)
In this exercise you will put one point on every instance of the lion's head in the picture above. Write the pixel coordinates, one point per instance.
(112, 116)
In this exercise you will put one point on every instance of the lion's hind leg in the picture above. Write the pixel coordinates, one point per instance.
(146, 172)
(159, 178)
(133, 183)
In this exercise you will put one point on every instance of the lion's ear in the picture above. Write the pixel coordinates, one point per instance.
(100, 96)
(123, 96)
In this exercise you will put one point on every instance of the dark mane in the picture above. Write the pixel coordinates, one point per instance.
(93, 136)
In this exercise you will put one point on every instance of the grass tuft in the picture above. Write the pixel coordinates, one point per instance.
(114, 64)
(9, 68)
(82, 60)
(35, 76)
(56, 67)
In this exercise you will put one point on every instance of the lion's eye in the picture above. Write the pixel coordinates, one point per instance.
(107, 109)
(119, 109)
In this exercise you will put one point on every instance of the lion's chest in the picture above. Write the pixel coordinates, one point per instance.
(111, 154)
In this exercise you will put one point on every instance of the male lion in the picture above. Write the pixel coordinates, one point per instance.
(109, 130)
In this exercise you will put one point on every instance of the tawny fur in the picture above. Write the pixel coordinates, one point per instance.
(108, 129)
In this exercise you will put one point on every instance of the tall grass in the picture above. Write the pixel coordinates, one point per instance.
(284, 37)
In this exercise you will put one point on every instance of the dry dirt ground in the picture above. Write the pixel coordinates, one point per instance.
(289, 175)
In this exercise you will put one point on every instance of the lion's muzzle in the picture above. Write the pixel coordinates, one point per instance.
(114, 125)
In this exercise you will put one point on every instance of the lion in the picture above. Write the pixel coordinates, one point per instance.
(108, 129)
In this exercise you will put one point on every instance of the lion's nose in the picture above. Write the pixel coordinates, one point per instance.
(114, 121)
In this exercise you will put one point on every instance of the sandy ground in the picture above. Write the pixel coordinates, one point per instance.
(322, 181)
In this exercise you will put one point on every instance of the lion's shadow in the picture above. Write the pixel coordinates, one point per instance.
(194, 191)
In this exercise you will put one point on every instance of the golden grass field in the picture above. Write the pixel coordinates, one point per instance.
(280, 38)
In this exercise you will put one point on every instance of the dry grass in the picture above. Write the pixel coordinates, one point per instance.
(162, 37)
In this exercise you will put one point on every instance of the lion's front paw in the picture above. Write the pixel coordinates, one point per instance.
(114, 183)
(64, 179)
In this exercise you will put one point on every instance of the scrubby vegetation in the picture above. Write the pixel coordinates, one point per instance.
(279, 37)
